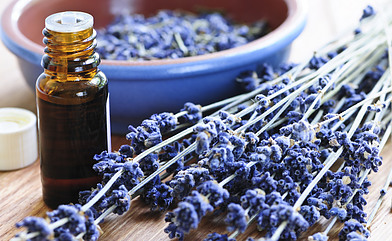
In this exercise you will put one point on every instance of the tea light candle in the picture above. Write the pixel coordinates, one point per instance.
(18, 138)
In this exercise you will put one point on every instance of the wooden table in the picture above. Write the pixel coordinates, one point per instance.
(20, 190)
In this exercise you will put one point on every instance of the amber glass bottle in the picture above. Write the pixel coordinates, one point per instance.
(72, 102)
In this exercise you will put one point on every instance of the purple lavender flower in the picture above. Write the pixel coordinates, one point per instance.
(200, 203)
(341, 213)
(149, 164)
(266, 73)
(166, 121)
(182, 185)
(228, 119)
(158, 196)
(120, 198)
(248, 82)
(144, 136)
(183, 182)
(265, 182)
(239, 145)
(279, 211)
(87, 195)
(354, 212)
(126, 151)
(351, 227)
(310, 213)
(78, 222)
(187, 215)
(193, 113)
(92, 233)
(318, 237)
(172, 229)
(215, 193)
(236, 218)
(254, 200)
(317, 62)
(131, 176)
(36, 224)
(354, 236)
(302, 131)
(367, 12)
(171, 151)
(218, 237)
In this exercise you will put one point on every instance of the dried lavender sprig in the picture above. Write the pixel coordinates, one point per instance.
(364, 63)
(383, 190)
(136, 159)
(311, 77)
(359, 104)
(388, 132)
(364, 175)
(272, 121)
(250, 95)
(215, 105)
(367, 63)
(185, 152)
(273, 108)
(228, 179)
(237, 232)
(141, 184)
(361, 181)
(231, 177)
(347, 53)
(377, 205)
(28, 236)
(331, 158)
(330, 161)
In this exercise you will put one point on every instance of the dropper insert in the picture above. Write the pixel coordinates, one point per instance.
(69, 21)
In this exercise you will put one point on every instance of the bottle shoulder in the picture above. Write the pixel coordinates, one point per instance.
(74, 89)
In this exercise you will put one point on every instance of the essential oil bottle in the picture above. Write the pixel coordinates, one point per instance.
(72, 103)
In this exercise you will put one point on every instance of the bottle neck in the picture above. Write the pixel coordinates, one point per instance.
(70, 54)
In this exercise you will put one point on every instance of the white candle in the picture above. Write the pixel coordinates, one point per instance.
(18, 138)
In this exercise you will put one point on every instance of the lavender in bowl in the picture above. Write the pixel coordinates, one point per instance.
(172, 35)
(141, 88)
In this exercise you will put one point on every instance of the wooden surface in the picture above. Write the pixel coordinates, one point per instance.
(20, 190)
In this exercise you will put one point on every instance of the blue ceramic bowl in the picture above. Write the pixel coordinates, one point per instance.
(139, 89)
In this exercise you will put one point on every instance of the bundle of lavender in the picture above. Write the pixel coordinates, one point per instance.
(299, 146)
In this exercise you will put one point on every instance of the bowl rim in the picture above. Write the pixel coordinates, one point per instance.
(295, 21)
